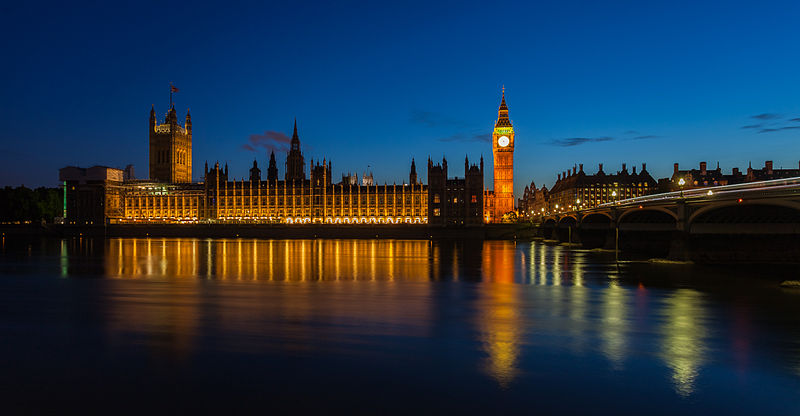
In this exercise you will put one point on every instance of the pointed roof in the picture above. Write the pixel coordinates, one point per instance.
(502, 112)
(294, 134)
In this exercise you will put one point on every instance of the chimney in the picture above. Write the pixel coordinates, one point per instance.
(581, 167)
(601, 168)
(624, 167)
(675, 166)
(702, 168)
(559, 176)
(574, 170)
(644, 167)
(768, 167)
(634, 170)
(735, 171)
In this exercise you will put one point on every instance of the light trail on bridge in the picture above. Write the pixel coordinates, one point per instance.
(772, 187)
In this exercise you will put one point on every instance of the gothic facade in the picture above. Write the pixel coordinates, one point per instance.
(296, 199)
(455, 201)
(170, 148)
(502, 199)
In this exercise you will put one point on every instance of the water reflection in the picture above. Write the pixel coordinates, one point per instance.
(498, 311)
(515, 300)
(614, 323)
(297, 260)
(683, 344)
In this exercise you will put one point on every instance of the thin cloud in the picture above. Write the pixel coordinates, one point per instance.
(772, 122)
(645, 137)
(271, 140)
(434, 119)
(576, 141)
(766, 116)
(771, 130)
(461, 137)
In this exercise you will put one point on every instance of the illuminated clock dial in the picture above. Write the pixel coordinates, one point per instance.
(503, 141)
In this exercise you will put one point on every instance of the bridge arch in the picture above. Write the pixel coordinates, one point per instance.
(568, 217)
(566, 229)
(764, 231)
(597, 218)
(638, 214)
(763, 212)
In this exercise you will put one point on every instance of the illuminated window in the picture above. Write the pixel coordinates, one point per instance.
(436, 212)
(436, 200)
(474, 199)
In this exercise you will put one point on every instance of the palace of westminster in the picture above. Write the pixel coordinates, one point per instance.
(100, 194)
(104, 195)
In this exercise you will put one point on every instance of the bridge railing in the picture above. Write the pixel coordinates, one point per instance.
(712, 191)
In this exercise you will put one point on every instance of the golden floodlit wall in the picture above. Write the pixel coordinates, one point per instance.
(262, 202)
(156, 202)
(300, 203)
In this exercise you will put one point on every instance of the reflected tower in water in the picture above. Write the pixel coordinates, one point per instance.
(498, 314)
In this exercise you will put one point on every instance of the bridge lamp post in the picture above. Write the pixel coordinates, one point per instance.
(681, 182)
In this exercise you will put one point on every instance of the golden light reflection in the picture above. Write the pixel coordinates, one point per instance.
(683, 347)
(268, 259)
(498, 312)
(614, 327)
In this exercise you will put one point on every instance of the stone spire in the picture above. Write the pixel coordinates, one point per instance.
(295, 138)
(502, 112)
(272, 170)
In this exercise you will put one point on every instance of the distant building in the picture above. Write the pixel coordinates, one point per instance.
(367, 179)
(455, 201)
(768, 173)
(703, 177)
(90, 194)
(575, 190)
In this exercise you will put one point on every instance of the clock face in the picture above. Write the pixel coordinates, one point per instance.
(502, 141)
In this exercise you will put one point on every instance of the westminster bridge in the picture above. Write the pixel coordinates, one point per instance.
(757, 221)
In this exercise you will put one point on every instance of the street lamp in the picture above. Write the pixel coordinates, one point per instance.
(614, 195)
(681, 182)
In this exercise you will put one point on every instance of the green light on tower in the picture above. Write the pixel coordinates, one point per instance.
(65, 200)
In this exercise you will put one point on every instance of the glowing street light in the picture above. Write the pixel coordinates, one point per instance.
(681, 182)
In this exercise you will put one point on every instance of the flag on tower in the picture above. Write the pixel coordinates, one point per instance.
(173, 88)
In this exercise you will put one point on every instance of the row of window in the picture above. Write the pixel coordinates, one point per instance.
(437, 199)
(162, 156)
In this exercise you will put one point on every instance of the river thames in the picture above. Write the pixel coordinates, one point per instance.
(388, 326)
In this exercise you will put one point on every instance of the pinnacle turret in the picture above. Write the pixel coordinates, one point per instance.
(502, 112)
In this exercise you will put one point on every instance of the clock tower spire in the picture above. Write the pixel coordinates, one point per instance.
(503, 152)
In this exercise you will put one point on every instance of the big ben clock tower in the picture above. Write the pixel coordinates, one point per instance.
(503, 151)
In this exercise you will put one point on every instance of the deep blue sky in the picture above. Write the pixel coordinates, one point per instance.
(376, 84)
